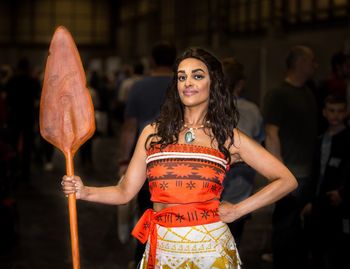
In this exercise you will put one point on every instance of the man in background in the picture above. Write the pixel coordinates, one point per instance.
(290, 114)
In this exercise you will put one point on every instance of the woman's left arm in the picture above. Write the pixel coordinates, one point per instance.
(281, 180)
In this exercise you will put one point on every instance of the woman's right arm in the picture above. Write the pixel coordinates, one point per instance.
(127, 187)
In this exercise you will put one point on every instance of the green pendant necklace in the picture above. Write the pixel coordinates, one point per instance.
(190, 135)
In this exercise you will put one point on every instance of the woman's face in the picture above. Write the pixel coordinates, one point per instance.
(193, 82)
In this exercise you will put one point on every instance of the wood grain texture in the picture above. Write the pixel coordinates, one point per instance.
(66, 112)
(66, 109)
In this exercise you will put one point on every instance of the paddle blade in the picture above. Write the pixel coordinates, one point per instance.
(66, 109)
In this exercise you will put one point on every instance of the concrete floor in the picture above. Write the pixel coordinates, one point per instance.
(43, 228)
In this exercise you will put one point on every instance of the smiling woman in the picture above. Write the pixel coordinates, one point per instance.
(193, 82)
(184, 155)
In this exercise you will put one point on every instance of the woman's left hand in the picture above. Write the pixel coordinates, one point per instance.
(228, 212)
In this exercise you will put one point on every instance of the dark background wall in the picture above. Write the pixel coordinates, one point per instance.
(109, 33)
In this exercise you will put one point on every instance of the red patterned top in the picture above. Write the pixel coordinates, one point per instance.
(184, 173)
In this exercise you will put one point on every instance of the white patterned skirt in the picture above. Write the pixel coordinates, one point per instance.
(197, 247)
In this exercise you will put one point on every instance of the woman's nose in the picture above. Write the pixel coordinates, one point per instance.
(188, 82)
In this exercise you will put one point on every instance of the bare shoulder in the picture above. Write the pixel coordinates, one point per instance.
(147, 132)
(240, 139)
(149, 129)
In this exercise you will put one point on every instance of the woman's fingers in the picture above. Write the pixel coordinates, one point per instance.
(227, 212)
(70, 178)
(71, 184)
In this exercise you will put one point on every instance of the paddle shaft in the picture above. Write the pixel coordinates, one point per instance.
(73, 219)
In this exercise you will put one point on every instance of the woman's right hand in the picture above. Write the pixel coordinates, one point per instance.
(73, 184)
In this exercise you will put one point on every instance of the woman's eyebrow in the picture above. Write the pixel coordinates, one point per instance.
(193, 71)
(198, 69)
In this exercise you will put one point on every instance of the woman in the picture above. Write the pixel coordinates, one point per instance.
(185, 154)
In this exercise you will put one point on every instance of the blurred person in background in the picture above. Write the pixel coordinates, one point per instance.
(290, 114)
(126, 85)
(337, 84)
(328, 213)
(23, 92)
(117, 107)
(8, 205)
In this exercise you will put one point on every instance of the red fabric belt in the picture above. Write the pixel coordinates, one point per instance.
(176, 216)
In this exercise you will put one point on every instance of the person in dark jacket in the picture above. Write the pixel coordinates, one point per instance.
(329, 210)
(23, 91)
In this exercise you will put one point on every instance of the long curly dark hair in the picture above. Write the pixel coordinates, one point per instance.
(222, 113)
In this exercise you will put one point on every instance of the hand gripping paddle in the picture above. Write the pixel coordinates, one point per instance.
(66, 112)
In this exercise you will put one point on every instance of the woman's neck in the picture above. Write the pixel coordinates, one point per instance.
(194, 116)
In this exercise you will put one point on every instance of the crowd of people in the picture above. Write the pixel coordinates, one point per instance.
(302, 124)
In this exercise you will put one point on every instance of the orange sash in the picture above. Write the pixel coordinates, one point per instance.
(177, 216)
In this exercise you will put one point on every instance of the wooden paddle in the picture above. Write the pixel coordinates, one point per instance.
(66, 112)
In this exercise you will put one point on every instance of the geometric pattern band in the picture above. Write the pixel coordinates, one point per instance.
(188, 173)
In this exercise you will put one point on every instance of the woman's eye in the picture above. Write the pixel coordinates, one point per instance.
(198, 76)
(181, 78)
